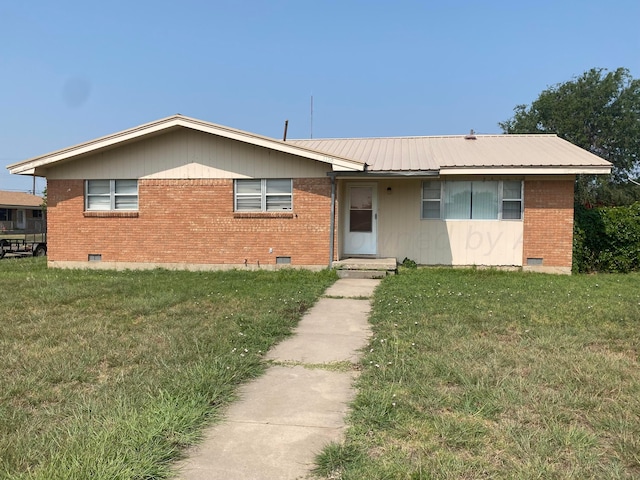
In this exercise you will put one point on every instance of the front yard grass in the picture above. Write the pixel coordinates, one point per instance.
(488, 374)
(110, 375)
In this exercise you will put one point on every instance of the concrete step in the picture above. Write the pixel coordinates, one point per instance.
(364, 273)
(365, 267)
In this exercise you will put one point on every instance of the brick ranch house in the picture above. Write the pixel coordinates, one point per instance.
(184, 193)
(21, 211)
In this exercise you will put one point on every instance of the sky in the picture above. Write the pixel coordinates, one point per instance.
(72, 71)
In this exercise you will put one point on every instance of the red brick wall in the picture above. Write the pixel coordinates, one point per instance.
(190, 221)
(548, 221)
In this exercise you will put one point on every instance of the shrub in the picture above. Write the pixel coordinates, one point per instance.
(408, 263)
(607, 239)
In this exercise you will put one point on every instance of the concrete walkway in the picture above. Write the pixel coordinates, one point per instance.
(283, 419)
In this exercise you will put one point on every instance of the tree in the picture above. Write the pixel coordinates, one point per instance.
(600, 112)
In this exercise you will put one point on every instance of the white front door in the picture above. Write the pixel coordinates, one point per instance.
(361, 220)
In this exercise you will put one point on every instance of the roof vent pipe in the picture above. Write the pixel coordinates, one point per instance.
(286, 126)
(471, 136)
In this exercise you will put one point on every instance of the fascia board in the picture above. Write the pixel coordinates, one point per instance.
(28, 167)
(390, 174)
(22, 207)
(342, 166)
(597, 170)
(28, 171)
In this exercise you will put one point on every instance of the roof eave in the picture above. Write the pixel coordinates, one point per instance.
(28, 170)
(541, 170)
(31, 166)
(26, 207)
(392, 173)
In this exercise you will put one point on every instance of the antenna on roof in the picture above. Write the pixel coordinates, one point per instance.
(471, 136)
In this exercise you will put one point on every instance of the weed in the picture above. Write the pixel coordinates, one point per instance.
(408, 263)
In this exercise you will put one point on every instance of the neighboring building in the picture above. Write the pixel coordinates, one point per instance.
(184, 193)
(21, 212)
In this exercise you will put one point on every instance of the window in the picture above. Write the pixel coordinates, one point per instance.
(111, 195)
(36, 213)
(431, 199)
(5, 215)
(263, 195)
(472, 200)
(511, 200)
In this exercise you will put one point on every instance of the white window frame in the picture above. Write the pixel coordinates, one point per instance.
(112, 195)
(264, 194)
(501, 201)
(431, 200)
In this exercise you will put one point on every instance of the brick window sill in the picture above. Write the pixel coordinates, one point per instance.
(110, 214)
(263, 215)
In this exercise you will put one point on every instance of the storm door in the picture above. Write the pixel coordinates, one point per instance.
(361, 220)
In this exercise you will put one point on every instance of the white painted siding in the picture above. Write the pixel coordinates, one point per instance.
(466, 242)
(402, 233)
(185, 153)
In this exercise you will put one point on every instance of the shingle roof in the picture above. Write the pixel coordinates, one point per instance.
(452, 152)
(19, 199)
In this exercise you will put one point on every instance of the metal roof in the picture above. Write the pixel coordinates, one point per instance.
(449, 153)
(480, 154)
(19, 199)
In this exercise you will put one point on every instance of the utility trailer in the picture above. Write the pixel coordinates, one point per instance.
(24, 246)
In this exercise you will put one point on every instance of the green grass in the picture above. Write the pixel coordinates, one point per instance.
(110, 375)
(487, 374)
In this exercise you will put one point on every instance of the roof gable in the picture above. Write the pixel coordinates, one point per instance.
(35, 166)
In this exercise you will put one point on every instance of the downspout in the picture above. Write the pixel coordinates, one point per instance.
(332, 221)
